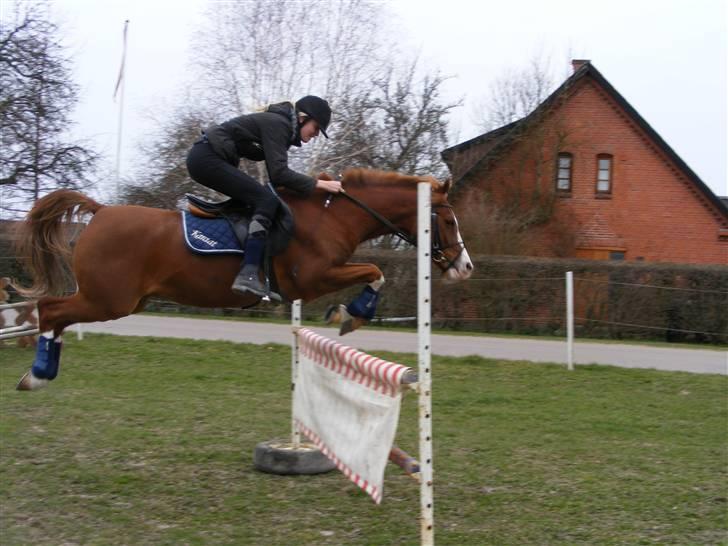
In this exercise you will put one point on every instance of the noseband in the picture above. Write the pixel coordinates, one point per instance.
(438, 251)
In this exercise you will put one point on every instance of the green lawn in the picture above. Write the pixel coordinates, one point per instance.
(150, 441)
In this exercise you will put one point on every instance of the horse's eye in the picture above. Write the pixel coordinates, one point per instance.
(450, 222)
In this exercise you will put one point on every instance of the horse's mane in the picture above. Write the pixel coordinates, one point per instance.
(374, 177)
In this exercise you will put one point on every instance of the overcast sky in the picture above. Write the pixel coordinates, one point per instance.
(666, 57)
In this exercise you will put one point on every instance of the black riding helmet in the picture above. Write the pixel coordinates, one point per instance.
(316, 108)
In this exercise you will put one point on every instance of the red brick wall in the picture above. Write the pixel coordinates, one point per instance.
(654, 212)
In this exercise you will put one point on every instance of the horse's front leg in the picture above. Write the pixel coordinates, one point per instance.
(362, 309)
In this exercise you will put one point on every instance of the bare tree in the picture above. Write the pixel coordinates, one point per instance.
(252, 53)
(163, 180)
(400, 124)
(249, 54)
(260, 51)
(37, 96)
(515, 94)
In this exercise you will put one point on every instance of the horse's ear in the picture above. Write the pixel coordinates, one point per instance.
(447, 185)
(443, 186)
(324, 176)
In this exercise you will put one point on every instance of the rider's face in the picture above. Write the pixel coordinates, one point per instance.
(309, 130)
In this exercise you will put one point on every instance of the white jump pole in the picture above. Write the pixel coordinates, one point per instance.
(424, 208)
(424, 385)
(295, 323)
(570, 320)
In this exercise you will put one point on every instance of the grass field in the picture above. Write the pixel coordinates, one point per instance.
(150, 441)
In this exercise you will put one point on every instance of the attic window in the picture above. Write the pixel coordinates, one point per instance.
(604, 174)
(563, 172)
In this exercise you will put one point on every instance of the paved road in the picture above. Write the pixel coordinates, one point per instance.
(628, 356)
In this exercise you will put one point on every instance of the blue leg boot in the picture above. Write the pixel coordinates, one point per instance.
(356, 314)
(46, 364)
(365, 305)
(47, 358)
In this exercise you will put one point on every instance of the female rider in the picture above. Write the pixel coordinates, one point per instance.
(263, 136)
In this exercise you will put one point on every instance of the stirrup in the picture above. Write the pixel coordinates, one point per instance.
(248, 281)
(272, 297)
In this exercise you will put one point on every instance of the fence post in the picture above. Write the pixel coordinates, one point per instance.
(570, 320)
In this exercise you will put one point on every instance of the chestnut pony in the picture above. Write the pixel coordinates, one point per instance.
(128, 254)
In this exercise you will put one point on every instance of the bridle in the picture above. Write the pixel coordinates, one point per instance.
(438, 251)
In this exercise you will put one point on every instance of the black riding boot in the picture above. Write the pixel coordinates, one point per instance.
(248, 279)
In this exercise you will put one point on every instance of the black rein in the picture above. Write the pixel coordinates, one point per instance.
(438, 254)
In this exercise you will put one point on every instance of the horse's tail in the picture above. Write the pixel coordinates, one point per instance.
(43, 241)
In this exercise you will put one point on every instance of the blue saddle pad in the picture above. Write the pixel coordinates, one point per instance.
(209, 235)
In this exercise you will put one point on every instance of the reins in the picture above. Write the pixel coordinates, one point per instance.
(381, 219)
(438, 254)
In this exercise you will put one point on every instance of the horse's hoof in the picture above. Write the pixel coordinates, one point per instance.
(29, 382)
(354, 323)
(333, 314)
(340, 315)
(346, 327)
(349, 323)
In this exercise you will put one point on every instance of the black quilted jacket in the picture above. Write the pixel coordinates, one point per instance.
(263, 136)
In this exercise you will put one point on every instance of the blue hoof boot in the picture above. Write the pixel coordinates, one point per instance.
(365, 305)
(47, 358)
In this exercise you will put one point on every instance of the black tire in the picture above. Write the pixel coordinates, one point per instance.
(278, 457)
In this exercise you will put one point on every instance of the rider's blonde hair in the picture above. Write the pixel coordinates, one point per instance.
(264, 107)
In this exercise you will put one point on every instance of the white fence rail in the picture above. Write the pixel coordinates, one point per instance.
(19, 330)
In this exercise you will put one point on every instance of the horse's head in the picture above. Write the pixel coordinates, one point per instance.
(448, 248)
(389, 200)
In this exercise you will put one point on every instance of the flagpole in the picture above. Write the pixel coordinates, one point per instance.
(120, 84)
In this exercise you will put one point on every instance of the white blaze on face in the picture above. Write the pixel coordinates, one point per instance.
(463, 267)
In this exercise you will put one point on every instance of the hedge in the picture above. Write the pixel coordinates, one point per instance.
(617, 300)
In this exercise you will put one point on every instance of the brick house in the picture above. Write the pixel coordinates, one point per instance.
(596, 180)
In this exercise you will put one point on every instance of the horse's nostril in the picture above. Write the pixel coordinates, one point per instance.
(469, 266)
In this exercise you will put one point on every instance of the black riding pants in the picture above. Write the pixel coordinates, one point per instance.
(211, 170)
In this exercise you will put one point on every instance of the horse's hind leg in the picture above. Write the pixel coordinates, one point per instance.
(55, 314)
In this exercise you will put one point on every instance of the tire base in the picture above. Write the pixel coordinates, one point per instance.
(279, 457)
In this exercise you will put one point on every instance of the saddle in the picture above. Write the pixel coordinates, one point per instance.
(239, 216)
(222, 227)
